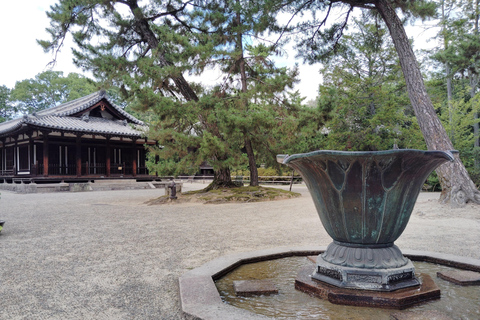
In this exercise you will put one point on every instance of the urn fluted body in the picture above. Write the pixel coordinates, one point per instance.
(364, 201)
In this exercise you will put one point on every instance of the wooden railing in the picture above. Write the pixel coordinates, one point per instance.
(269, 179)
(243, 179)
(69, 169)
(8, 172)
(142, 170)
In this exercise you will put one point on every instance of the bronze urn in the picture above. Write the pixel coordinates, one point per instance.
(364, 201)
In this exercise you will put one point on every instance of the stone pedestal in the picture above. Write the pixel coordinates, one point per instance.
(380, 268)
(399, 299)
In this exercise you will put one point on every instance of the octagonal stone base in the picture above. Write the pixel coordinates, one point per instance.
(399, 299)
(382, 268)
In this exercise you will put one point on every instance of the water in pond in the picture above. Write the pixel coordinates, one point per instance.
(457, 302)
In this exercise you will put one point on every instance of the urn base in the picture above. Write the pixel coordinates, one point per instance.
(380, 268)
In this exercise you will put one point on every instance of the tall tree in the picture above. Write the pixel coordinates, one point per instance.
(49, 89)
(142, 48)
(146, 47)
(7, 108)
(446, 8)
(250, 77)
(457, 187)
(461, 52)
(364, 91)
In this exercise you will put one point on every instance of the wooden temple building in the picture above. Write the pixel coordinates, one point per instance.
(85, 138)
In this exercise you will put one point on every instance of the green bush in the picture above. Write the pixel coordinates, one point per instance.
(433, 183)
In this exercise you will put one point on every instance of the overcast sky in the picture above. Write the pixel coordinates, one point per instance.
(24, 21)
(21, 23)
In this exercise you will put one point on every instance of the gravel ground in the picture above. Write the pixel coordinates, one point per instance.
(107, 255)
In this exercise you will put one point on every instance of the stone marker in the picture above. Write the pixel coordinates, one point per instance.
(461, 277)
(247, 288)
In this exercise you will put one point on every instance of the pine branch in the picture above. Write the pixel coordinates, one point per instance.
(169, 13)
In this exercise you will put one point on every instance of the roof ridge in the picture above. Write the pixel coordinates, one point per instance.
(94, 125)
(80, 104)
(73, 106)
(67, 109)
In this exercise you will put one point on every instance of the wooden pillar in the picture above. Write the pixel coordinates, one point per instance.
(134, 158)
(45, 153)
(78, 154)
(108, 159)
(2, 161)
(15, 156)
(31, 159)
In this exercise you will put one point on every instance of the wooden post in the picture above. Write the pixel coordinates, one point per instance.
(2, 158)
(108, 158)
(15, 156)
(134, 158)
(31, 159)
(78, 155)
(291, 181)
(45, 153)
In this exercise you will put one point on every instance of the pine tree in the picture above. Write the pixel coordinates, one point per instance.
(7, 108)
(146, 49)
(365, 93)
(461, 57)
(321, 39)
(250, 79)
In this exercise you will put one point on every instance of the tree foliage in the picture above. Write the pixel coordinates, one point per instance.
(146, 48)
(363, 93)
(319, 37)
(458, 62)
(7, 108)
(49, 89)
(143, 48)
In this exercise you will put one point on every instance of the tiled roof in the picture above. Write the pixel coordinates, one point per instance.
(58, 118)
(78, 105)
(91, 125)
(11, 125)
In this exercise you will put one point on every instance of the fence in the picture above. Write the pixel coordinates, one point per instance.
(243, 179)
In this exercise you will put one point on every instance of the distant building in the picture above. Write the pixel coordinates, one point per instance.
(86, 138)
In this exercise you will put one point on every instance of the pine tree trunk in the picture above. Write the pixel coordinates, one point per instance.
(449, 102)
(457, 187)
(222, 179)
(473, 86)
(252, 164)
(476, 135)
(448, 76)
(143, 29)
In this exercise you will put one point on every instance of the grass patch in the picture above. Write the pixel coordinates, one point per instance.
(227, 195)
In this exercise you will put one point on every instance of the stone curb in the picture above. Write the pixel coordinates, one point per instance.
(200, 299)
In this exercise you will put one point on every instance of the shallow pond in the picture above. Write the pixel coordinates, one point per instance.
(458, 302)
